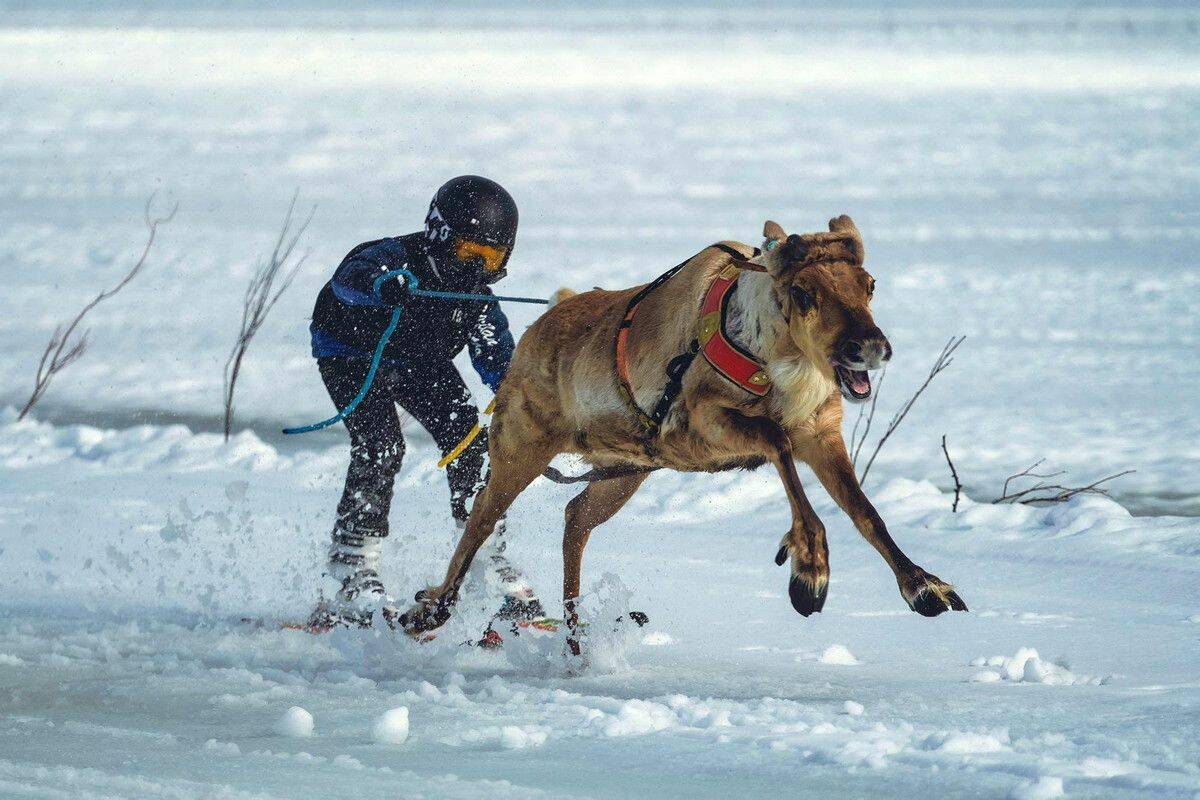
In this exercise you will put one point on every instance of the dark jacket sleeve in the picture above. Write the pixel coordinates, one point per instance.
(354, 280)
(491, 345)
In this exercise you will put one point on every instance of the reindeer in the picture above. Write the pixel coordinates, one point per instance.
(786, 334)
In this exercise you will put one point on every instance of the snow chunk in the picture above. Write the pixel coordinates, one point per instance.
(986, 676)
(391, 727)
(852, 708)
(657, 639)
(1028, 667)
(838, 654)
(514, 738)
(7, 660)
(295, 722)
(964, 743)
(1046, 788)
(508, 737)
(637, 717)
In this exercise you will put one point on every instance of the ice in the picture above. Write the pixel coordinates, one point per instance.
(1023, 176)
(1044, 788)
(391, 727)
(296, 722)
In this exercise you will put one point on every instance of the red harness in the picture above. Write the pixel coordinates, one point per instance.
(719, 350)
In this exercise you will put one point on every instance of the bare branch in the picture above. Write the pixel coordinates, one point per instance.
(944, 360)
(862, 410)
(64, 347)
(954, 473)
(1042, 492)
(870, 417)
(270, 280)
(1028, 472)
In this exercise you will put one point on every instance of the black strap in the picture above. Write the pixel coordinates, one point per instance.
(729, 251)
(654, 284)
(677, 366)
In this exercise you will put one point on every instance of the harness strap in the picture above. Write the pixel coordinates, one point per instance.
(624, 389)
(677, 367)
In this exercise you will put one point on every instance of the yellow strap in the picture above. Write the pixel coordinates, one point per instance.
(470, 437)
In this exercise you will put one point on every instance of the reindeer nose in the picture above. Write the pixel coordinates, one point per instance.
(870, 350)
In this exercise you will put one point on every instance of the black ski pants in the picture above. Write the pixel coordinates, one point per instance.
(432, 394)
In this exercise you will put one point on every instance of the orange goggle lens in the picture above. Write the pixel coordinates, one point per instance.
(491, 255)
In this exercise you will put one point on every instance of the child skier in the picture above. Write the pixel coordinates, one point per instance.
(468, 238)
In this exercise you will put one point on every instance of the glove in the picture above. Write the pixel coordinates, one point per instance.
(491, 378)
(393, 292)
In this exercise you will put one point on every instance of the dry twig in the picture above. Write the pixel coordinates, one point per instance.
(944, 360)
(265, 288)
(954, 474)
(1042, 492)
(65, 347)
(856, 443)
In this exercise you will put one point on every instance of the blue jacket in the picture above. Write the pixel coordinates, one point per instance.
(348, 320)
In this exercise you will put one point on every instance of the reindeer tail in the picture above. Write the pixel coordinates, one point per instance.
(560, 295)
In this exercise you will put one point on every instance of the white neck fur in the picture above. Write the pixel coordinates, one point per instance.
(755, 323)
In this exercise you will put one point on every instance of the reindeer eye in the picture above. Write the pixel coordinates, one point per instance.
(803, 300)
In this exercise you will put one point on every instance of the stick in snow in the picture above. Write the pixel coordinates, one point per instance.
(64, 347)
(265, 289)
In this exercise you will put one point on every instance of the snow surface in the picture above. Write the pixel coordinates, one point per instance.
(1026, 177)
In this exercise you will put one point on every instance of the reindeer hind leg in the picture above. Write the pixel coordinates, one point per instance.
(592, 507)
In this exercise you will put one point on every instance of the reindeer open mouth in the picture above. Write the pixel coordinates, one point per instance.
(854, 384)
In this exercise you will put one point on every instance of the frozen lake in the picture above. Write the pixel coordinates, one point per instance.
(1027, 178)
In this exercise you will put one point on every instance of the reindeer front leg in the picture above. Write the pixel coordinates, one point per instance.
(924, 592)
(805, 541)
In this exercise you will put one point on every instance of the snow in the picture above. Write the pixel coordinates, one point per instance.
(1021, 176)
(1045, 788)
(838, 654)
(1028, 667)
(391, 727)
(296, 722)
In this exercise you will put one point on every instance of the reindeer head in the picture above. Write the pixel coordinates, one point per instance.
(825, 297)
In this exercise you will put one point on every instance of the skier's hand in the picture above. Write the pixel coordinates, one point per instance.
(394, 292)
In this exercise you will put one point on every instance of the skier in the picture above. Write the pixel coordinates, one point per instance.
(465, 246)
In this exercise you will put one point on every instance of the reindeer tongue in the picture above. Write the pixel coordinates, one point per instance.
(855, 384)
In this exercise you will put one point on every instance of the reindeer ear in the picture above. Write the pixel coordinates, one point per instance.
(773, 234)
(849, 236)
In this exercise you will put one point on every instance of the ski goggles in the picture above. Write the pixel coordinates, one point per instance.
(491, 256)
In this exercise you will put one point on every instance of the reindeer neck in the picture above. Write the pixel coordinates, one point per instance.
(755, 322)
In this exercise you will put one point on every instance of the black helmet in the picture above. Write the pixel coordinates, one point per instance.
(472, 225)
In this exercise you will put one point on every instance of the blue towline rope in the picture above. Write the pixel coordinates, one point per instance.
(412, 284)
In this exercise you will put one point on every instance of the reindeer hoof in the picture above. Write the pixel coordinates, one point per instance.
(807, 598)
(933, 599)
(425, 616)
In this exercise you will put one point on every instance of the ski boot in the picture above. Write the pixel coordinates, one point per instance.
(520, 607)
(354, 596)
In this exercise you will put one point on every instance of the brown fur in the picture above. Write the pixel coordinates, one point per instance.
(560, 395)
